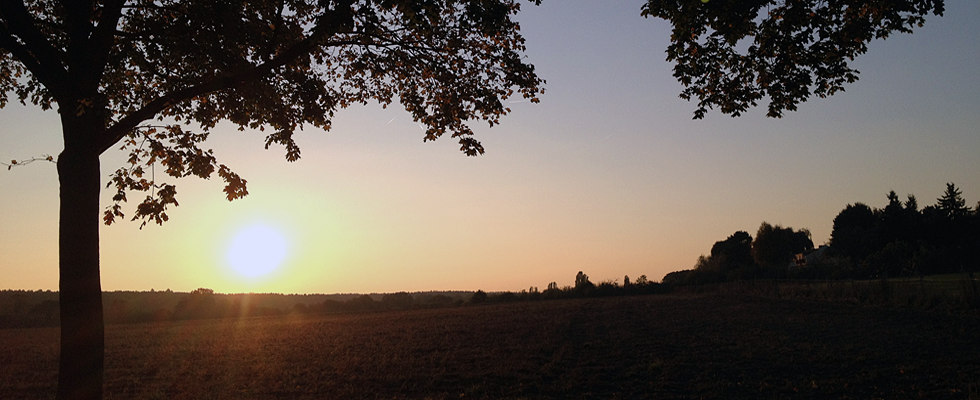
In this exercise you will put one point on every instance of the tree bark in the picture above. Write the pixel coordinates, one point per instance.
(80, 372)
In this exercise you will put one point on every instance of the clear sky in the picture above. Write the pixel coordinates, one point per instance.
(608, 174)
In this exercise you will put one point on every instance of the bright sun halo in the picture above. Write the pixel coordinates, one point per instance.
(257, 250)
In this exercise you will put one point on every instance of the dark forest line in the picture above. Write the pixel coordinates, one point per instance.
(897, 241)
(26, 309)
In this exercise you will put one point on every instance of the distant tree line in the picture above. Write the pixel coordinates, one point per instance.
(22, 309)
(403, 301)
(902, 240)
(25, 308)
(739, 257)
(389, 302)
(899, 240)
(583, 288)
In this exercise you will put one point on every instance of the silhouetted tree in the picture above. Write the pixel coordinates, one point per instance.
(901, 240)
(109, 66)
(362, 303)
(199, 303)
(898, 240)
(502, 297)
(775, 246)
(952, 204)
(854, 233)
(892, 250)
(202, 291)
(437, 300)
(552, 292)
(678, 278)
(479, 297)
(893, 260)
(912, 203)
(735, 250)
(732, 54)
(954, 231)
(606, 288)
(583, 287)
(397, 301)
(900, 221)
(732, 257)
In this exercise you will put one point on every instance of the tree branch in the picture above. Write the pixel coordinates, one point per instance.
(18, 163)
(102, 39)
(328, 25)
(37, 54)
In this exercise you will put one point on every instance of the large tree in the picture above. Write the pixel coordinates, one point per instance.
(951, 204)
(775, 246)
(854, 234)
(110, 66)
(154, 76)
(733, 257)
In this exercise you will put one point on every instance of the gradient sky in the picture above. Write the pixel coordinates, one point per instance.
(608, 174)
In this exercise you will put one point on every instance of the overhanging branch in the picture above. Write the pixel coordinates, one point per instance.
(328, 25)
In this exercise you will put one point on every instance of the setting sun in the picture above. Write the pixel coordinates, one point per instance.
(257, 250)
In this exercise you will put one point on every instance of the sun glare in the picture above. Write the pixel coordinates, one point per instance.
(257, 250)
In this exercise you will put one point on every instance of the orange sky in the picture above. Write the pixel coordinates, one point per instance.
(608, 175)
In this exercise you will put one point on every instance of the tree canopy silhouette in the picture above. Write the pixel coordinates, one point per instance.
(951, 204)
(734, 252)
(732, 54)
(854, 231)
(901, 240)
(774, 247)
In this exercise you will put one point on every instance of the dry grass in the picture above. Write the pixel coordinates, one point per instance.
(656, 347)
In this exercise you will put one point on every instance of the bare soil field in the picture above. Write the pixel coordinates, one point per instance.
(649, 347)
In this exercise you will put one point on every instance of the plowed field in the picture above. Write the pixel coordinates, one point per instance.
(650, 347)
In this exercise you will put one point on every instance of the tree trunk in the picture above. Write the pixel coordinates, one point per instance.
(80, 371)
